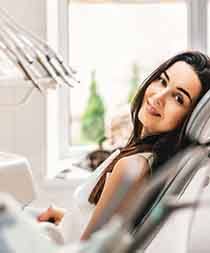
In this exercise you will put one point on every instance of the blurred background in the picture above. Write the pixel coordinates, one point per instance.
(113, 45)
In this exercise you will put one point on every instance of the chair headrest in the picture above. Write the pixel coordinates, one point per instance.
(198, 127)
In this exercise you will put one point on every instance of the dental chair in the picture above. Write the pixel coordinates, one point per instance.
(185, 230)
(173, 229)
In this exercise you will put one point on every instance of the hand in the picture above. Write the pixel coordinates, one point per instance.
(52, 214)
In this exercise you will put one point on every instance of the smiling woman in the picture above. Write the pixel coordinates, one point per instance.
(160, 112)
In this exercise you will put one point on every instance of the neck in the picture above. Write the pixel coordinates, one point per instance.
(144, 133)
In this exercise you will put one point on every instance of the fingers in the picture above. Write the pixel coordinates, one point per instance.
(52, 214)
(46, 215)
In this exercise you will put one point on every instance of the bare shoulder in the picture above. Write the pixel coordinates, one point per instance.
(132, 160)
(135, 166)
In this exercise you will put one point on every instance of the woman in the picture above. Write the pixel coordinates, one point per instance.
(160, 112)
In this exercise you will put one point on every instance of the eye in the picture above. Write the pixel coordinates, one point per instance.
(179, 98)
(162, 81)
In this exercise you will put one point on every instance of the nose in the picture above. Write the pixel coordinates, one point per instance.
(160, 97)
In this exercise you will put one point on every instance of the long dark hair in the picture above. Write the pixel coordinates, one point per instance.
(165, 144)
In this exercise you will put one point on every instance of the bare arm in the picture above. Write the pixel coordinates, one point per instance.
(127, 174)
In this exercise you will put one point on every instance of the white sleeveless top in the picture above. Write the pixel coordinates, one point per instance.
(76, 219)
(149, 156)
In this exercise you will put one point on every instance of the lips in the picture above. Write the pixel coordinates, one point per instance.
(151, 109)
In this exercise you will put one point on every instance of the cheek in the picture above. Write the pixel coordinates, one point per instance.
(148, 93)
(174, 118)
(151, 89)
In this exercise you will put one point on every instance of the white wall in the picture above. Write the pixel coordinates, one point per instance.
(23, 130)
(30, 13)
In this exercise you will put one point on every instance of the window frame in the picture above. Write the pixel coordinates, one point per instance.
(196, 39)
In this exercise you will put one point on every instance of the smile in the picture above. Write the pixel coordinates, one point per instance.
(152, 110)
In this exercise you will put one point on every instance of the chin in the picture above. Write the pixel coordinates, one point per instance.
(148, 126)
(148, 123)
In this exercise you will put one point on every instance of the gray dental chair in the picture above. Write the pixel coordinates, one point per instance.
(185, 230)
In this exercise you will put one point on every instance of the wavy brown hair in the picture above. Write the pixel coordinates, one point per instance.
(164, 145)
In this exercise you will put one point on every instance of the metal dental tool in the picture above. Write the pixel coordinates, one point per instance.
(32, 55)
(31, 45)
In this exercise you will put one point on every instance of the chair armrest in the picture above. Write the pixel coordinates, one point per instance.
(16, 177)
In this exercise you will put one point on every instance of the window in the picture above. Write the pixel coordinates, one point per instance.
(113, 38)
(118, 42)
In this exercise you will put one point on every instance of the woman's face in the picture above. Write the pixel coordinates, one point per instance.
(168, 99)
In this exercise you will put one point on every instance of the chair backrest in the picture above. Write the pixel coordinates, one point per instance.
(176, 235)
(198, 129)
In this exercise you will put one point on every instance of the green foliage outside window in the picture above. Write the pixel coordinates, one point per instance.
(92, 128)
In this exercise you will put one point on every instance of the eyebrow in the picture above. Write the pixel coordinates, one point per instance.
(166, 75)
(185, 92)
(179, 88)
